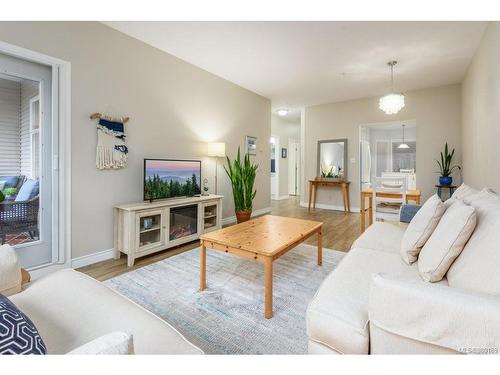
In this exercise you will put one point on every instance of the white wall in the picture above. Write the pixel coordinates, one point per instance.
(174, 107)
(437, 113)
(10, 156)
(285, 130)
(481, 113)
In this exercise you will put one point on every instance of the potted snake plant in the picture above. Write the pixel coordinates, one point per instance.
(242, 175)
(445, 167)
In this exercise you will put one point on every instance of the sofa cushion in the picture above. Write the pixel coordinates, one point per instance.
(71, 309)
(28, 191)
(381, 236)
(477, 267)
(337, 317)
(420, 228)
(18, 334)
(112, 343)
(447, 241)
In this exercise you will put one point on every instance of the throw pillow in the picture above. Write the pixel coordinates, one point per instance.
(420, 228)
(29, 190)
(18, 334)
(447, 241)
(463, 191)
(112, 343)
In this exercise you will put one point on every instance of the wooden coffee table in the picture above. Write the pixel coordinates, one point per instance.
(263, 239)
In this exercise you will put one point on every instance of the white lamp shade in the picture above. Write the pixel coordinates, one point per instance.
(217, 149)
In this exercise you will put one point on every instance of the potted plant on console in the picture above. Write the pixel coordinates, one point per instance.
(445, 167)
(242, 175)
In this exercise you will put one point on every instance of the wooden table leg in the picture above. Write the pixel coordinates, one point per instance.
(203, 266)
(370, 210)
(320, 247)
(268, 286)
(310, 195)
(344, 198)
(363, 213)
(314, 196)
(348, 201)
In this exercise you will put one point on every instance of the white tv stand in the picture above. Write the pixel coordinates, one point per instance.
(145, 228)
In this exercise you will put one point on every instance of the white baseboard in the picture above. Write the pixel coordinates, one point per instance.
(333, 207)
(232, 219)
(279, 198)
(92, 258)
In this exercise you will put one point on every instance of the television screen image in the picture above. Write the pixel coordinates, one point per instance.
(171, 178)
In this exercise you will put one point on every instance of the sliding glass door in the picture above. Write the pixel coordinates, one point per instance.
(28, 214)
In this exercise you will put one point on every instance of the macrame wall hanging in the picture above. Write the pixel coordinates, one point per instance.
(111, 150)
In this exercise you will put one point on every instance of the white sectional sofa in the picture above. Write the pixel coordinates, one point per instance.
(71, 309)
(373, 302)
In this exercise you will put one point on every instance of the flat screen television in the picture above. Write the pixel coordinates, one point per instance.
(168, 178)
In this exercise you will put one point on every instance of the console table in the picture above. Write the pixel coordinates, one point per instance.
(144, 228)
(330, 183)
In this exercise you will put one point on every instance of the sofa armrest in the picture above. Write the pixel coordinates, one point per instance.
(407, 212)
(451, 318)
(10, 271)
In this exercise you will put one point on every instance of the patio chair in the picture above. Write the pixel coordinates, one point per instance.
(19, 217)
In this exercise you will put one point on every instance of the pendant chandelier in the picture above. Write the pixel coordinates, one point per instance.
(403, 144)
(392, 103)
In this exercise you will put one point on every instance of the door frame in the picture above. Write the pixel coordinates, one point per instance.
(61, 163)
(276, 174)
(292, 141)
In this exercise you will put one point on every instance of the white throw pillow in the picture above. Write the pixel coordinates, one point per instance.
(464, 191)
(476, 269)
(447, 241)
(112, 343)
(10, 271)
(420, 228)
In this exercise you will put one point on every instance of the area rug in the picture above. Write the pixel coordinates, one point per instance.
(228, 317)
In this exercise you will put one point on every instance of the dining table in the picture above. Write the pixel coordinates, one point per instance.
(366, 205)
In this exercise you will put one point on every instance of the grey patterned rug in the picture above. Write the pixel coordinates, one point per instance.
(228, 317)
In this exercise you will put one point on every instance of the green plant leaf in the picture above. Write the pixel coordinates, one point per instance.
(242, 174)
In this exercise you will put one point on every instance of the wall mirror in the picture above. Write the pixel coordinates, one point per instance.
(332, 159)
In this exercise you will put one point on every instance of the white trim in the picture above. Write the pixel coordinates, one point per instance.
(61, 84)
(333, 207)
(279, 198)
(260, 212)
(86, 260)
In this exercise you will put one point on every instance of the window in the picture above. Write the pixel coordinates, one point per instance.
(404, 158)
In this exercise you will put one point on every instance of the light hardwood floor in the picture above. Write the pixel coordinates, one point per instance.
(339, 232)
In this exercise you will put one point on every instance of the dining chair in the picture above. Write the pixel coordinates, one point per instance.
(387, 208)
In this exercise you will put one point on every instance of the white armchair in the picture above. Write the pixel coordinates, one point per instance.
(415, 316)
(10, 271)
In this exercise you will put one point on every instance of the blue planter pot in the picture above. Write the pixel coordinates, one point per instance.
(445, 180)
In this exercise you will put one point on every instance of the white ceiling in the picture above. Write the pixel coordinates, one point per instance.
(305, 63)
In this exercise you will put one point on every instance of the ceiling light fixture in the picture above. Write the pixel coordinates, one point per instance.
(403, 145)
(282, 112)
(392, 103)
